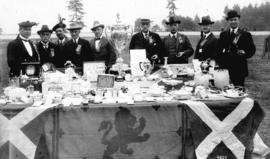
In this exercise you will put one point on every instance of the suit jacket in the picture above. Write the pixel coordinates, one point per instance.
(46, 55)
(78, 57)
(17, 53)
(105, 53)
(227, 52)
(182, 45)
(206, 48)
(138, 42)
(59, 53)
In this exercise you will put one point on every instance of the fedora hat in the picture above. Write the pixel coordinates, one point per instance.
(173, 20)
(145, 21)
(232, 14)
(75, 26)
(44, 28)
(27, 24)
(97, 24)
(206, 21)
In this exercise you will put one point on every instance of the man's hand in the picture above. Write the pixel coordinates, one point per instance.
(154, 57)
(179, 54)
(241, 52)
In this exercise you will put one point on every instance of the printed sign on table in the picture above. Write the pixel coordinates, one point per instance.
(136, 57)
(92, 69)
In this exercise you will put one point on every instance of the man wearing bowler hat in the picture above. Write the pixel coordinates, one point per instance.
(62, 39)
(234, 47)
(45, 47)
(177, 46)
(207, 45)
(21, 49)
(102, 47)
(147, 40)
(77, 50)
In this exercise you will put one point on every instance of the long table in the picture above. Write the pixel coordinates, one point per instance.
(149, 130)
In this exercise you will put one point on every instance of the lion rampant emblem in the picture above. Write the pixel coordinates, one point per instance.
(127, 132)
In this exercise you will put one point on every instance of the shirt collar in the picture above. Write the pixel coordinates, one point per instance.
(235, 29)
(47, 43)
(175, 34)
(23, 38)
(77, 40)
(62, 41)
(207, 34)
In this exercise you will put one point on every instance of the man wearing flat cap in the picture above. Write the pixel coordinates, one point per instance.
(77, 50)
(62, 39)
(235, 46)
(176, 45)
(147, 40)
(45, 47)
(207, 45)
(21, 49)
(102, 47)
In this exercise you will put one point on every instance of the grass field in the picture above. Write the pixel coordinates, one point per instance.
(258, 82)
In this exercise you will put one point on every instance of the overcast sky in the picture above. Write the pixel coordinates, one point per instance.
(45, 11)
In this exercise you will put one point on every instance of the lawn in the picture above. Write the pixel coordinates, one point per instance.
(258, 82)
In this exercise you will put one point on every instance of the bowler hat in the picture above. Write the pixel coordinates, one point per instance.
(206, 21)
(75, 26)
(27, 24)
(59, 25)
(44, 29)
(173, 20)
(97, 24)
(232, 14)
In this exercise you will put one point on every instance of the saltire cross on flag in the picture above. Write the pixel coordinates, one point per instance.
(22, 129)
(225, 130)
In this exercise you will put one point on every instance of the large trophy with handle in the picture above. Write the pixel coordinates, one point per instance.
(120, 35)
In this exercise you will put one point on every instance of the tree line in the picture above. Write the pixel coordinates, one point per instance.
(253, 18)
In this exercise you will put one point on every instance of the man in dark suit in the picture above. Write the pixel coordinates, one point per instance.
(77, 50)
(176, 45)
(46, 49)
(62, 39)
(21, 49)
(147, 40)
(102, 47)
(234, 47)
(207, 45)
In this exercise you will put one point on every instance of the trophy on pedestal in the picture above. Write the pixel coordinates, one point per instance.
(120, 35)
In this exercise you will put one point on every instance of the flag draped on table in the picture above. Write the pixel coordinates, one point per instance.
(113, 132)
(225, 130)
(21, 130)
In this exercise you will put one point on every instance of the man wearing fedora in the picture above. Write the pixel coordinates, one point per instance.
(62, 39)
(147, 40)
(176, 45)
(45, 47)
(207, 45)
(77, 50)
(21, 49)
(234, 47)
(102, 47)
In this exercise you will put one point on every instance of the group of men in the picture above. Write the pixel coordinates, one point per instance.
(230, 51)
(76, 50)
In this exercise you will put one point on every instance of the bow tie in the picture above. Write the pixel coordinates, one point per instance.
(25, 40)
(97, 38)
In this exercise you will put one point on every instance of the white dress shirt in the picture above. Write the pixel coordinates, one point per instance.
(27, 45)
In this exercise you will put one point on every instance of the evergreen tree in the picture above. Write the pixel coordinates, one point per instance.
(76, 7)
(172, 7)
